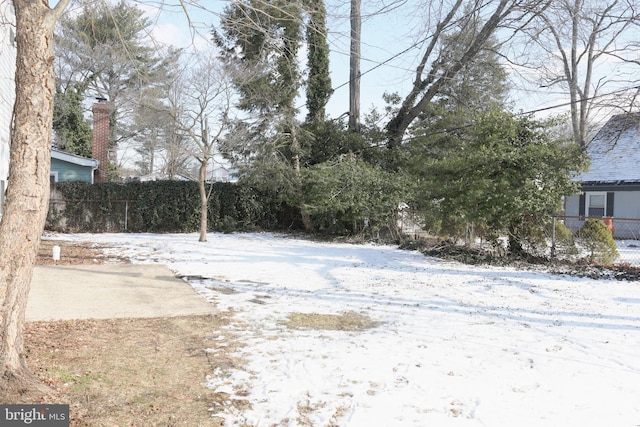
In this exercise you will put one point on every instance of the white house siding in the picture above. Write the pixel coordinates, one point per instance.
(626, 204)
(7, 87)
(572, 205)
(626, 214)
(572, 210)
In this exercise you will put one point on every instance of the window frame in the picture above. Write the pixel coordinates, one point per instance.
(588, 206)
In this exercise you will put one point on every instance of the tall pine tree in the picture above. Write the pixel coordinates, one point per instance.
(72, 132)
(319, 81)
(260, 43)
(105, 49)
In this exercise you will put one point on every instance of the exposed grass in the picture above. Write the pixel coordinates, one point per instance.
(133, 372)
(347, 321)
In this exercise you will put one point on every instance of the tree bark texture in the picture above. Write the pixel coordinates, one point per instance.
(27, 196)
(204, 200)
(295, 148)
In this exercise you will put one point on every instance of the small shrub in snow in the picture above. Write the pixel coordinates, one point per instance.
(597, 238)
(564, 240)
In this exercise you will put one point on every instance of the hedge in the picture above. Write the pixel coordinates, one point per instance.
(162, 207)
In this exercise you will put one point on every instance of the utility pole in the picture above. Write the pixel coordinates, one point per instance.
(354, 67)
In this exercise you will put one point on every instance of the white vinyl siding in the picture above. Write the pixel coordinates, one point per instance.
(7, 81)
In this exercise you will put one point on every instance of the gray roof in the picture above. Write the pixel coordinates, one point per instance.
(72, 158)
(615, 152)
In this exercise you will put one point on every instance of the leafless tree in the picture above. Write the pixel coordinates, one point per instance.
(203, 115)
(583, 45)
(446, 18)
(174, 152)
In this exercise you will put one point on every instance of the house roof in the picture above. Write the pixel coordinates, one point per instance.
(615, 152)
(72, 158)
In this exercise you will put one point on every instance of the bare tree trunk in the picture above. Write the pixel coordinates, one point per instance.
(306, 219)
(578, 35)
(204, 200)
(432, 75)
(354, 67)
(28, 191)
(152, 153)
(295, 146)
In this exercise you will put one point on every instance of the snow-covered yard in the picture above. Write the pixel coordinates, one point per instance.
(452, 345)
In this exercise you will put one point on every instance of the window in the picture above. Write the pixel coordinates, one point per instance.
(596, 203)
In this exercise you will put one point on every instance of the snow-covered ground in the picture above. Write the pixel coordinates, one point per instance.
(454, 345)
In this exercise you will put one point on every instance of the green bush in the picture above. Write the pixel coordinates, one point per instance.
(563, 234)
(564, 240)
(160, 207)
(352, 197)
(597, 238)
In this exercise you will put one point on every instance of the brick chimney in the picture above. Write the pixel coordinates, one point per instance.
(100, 139)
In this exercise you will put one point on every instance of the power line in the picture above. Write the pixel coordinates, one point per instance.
(380, 64)
(412, 46)
(421, 41)
(523, 113)
(569, 103)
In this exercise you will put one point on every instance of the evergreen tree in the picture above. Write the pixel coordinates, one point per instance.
(319, 81)
(502, 173)
(105, 49)
(352, 196)
(73, 133)
(260, 43)
(598, 240)
(481, 85)
(331, 141)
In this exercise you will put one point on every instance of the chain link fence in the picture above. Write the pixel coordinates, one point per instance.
(159, 215)
(120, 216)
(625, 231)
(555, 241)
(94, 216)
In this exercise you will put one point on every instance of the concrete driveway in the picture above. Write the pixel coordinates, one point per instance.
(108, 291)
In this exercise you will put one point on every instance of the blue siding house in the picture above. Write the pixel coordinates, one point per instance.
(67, 167)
